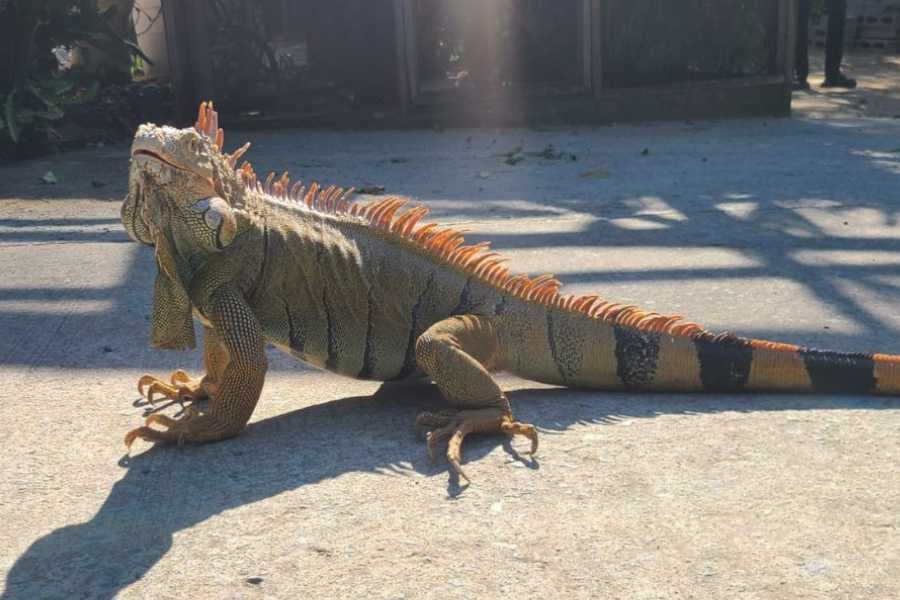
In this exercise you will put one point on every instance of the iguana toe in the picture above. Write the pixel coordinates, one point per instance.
(510, 427)
(182, 387)
(192, 428)
(487, 420)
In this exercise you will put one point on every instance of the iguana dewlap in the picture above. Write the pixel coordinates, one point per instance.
(369, 291)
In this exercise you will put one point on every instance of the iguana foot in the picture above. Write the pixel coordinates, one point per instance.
(181, 387)
(427, 422)
(458, 425)
(192, 428)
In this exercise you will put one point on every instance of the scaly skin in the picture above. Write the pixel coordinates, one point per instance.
(367, 292)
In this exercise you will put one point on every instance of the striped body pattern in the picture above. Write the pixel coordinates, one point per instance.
(378, 282)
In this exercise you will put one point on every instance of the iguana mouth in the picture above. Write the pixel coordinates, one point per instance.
(158, 157)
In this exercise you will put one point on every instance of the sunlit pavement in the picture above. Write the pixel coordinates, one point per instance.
(771, 228)
(878, 94)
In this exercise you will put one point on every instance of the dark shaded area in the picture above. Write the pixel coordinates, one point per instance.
(469, 62)
(660, 41)
(262, 59)
(465, 44)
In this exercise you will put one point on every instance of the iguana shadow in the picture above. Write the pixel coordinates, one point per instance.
(169, 489)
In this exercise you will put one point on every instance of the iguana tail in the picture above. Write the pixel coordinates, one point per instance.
(567, 345)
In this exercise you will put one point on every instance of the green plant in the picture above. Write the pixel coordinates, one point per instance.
(240, 50)
(31, 110)
(33, 90)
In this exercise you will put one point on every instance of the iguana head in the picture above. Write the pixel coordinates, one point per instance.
(185, 172)
(184, 198)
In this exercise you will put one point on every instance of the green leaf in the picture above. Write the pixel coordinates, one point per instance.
(137, 50)
(91, 91)
(9, 111)
(56, 87)
(53, 111)
(109, 12)
(25, 116)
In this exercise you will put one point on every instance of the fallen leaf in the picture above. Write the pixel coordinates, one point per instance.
(598, 172)
(512, 157)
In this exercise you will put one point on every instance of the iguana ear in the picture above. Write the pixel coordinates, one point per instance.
(219, 217)
(173, 323)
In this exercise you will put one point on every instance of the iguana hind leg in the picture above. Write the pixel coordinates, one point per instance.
(236, 362)
(458, 354)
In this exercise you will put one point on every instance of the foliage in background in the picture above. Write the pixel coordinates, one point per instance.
(34, 90)
(244, 64)
(660, 41)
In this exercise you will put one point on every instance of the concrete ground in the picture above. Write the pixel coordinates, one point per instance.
(787, 229)
(878, 94)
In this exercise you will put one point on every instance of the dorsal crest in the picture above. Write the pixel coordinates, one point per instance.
(392, 217)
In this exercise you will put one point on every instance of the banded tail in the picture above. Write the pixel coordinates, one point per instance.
(568, 347)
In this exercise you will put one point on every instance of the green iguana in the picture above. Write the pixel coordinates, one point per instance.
(365, 290)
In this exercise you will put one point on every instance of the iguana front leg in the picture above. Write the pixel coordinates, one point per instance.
(232, 400)
(182, 386)
(458, 354)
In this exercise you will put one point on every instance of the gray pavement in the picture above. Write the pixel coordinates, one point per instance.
(787, 229)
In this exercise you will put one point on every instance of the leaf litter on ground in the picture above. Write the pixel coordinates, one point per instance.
(597, 172)
(517, 155)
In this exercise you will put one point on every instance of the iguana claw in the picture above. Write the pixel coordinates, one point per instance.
(181, 387)
(194, 427)
(458, 426)
(155, 435)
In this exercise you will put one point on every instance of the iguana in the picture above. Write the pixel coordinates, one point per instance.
(367, 290)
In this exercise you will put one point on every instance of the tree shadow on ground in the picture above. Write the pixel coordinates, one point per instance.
(161, 493)
(692, 208)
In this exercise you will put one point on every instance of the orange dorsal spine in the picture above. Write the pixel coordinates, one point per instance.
(447, 244)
